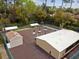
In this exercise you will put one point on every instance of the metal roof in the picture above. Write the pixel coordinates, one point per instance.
(11, 28)
(60, 39)
(34, 24)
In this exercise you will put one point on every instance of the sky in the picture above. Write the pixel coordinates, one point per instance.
(58, 3)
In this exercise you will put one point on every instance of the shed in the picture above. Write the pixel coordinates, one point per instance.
(34, 24)
(14, 38)
(11, 28)
(58, 43)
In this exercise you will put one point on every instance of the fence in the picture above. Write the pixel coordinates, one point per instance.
(6, 48)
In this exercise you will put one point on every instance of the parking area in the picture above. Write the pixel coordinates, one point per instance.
(29, 50)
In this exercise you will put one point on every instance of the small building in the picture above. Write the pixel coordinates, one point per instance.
(14, 38)
(10, 28)
(34, 24)
(58, 43)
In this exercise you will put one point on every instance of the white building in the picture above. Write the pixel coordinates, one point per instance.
(14, 38)
(58, 43)
(11, 28)
(34, 24)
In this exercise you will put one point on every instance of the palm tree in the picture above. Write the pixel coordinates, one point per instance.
(45, 3)
(77, 1)
(62, 3)
(14, 2)
(6, 3)
(5, 6)
(66, 1)
(53, 1)
(71, 2)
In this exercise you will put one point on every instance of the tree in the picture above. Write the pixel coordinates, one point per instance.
(40, 15)
(53, 1)
(27, 5)
(45, 3)
(58, 17)
(66, 1)
(4, 22)
(69, 18)
(14, 2)
(71, 10)
(76, 11)
(63, 18)
(1, 4)
(6, 3)
(62, 4)
(24, 9)
(71, 2)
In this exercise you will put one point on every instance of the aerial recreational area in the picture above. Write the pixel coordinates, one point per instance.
(39, 29)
